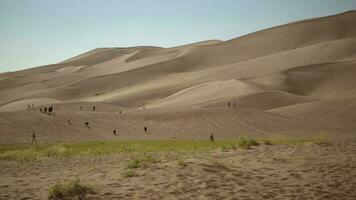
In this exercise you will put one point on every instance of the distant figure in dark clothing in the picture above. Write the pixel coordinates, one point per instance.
(212, 137)
(228, 104)
(45, 109)
(145, 128)
(114, 132)
(69, 122)
(86, 124)
(80, 108)
(94, 108)
(34, 140)
(50, 109)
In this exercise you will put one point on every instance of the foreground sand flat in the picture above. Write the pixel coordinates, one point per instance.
(299, 171)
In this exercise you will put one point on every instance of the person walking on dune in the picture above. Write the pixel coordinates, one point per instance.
(145, 128)
(94, 108)
(87, 124)
(50, 109)
(114, 132)
(34, 140)
(212, 137)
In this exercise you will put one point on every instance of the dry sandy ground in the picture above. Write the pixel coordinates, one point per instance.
(264, 172)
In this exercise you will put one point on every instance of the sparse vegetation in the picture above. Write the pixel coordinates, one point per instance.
(143, 160)
(129, 173)
(247, 143)
(321, 138)
(26, 152)
(228, 147)
(182, 164)
(267, 142)
(219, 165)
(134, 164)
(70, 190)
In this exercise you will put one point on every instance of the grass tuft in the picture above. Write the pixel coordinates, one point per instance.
(246, 143)
(182, 164)
(70, 190)
(134, 164)
(129, 173)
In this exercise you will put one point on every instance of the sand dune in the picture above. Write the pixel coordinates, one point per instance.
(297, 78)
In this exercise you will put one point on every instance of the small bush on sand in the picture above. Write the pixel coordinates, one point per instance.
(182, 164)
(142, 161)
(320, 139)
(228, 147)
(134, 164)
(129, 173)
(217, 164)
(267, 142)
(70, 190)
(246, 143)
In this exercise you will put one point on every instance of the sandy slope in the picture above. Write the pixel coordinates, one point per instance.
(296, 79)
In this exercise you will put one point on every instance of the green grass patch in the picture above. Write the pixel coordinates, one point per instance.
(143, 160)
(26, 152)
(318, 139)
(71, 189)
(247, 143)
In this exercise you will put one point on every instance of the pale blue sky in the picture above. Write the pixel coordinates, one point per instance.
(39, 32)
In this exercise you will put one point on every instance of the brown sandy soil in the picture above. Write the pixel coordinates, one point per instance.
(264, 172)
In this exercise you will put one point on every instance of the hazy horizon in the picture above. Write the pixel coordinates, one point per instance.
(38, 32)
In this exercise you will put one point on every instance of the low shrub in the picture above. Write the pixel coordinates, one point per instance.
(70, 190)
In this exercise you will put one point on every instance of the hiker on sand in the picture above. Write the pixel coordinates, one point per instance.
(34, 140)
(94, 108)
(81, 108)
(212, 137)
(50, 109)
(228, 104)
(145, 128)
(114, 132)
(69, 122)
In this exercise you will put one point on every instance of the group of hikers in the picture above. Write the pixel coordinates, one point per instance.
(115, 132)
(229, 104)
(44, 109)
(93, 108)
